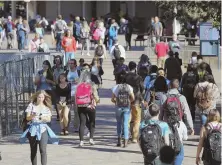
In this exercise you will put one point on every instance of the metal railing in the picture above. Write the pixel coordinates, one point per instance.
(16, 87)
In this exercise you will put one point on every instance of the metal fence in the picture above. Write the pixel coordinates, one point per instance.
(16, 87)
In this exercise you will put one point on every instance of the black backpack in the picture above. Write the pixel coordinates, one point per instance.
(123, 97)
(212, 148)
(117, 52)
(191, 81)
(99, 50)
(175, 139)
(151, 141)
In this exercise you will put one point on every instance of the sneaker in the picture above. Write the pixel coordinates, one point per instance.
(88, 54)
(91, 142)
(88, 134)
(134, 141)
(81, 144)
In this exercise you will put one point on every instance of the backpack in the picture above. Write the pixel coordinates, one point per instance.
(40, 49)
(212, 148)
(112, 31)
(173, 109)
(204, 97)
(152, 80)
(123, 97)
(84, 33)
(156, 98)
(9, 27)
(43, 24)
(59, 25)
(151, 141)
(77, 29)
(99, 50)
(97, 34)
(83, 95)
(191, 81)
(174, 137)
(117, 52)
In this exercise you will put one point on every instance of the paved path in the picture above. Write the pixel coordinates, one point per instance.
(105, 150)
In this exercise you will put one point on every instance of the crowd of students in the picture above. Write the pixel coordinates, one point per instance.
(157, 107)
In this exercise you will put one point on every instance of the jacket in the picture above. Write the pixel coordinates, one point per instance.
(35, 130)
(136, 82)
(172, 69)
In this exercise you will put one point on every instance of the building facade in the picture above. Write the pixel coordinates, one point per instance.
(143, 10)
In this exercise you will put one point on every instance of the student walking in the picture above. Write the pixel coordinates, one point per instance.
(85, 30)
(161, 50)
(210, 140)
(63, 95)
(69, 45)
(38, 114)
(122, 96)
(86, 105)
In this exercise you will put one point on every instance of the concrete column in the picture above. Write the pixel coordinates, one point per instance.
(59, 7)
(133, 3)
(84, 8)
(13, 14)
(107, 6)
(175, 22)
(35, 8)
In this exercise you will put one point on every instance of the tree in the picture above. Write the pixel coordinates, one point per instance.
(192, 10)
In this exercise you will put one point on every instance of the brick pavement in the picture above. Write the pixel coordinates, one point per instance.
(105, 150)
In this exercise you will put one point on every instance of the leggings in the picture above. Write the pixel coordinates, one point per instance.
(85, 113)
(42, 147)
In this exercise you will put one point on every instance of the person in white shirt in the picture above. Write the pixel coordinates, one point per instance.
(116, 52)
(183, 135)
(60, 27)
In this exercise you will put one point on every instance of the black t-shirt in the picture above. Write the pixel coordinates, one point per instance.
(63, 92)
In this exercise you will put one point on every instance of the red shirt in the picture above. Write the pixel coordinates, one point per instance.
(69, 44)
(161, 49)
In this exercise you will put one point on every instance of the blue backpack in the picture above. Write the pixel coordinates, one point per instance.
(77, 29)
(9, 27)
(112, 31)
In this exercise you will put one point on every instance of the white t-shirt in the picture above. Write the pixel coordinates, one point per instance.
(115, 89)
(182, 130)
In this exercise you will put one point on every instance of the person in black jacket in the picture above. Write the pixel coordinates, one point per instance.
(134, 80)
(172, 68)
(128, 33)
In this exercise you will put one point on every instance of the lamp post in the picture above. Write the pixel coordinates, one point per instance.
(27, 9)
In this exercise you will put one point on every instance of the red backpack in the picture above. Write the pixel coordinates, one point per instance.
(83, 95)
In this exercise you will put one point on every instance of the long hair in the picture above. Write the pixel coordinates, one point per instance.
(47, 101)
(144, 59)
(214, 115)
(49, 71)
(85, 76)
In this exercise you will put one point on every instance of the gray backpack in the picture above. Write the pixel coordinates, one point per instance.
(59, 26)
(123, 97)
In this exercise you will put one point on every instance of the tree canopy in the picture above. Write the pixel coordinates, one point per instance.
(192, 10)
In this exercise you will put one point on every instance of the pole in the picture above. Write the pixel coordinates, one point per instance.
(27, 11)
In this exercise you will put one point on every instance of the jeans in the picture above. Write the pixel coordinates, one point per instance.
(85, 42)
(58, 42)
(21, 42)
(42, 147)
(203, 119)
(111, 42)
(122, 118)
(68, 56)
(179, 158)
(10, 38)
(135, 120)
(85, 113)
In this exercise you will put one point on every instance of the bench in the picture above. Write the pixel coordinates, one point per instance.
(141, 39)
